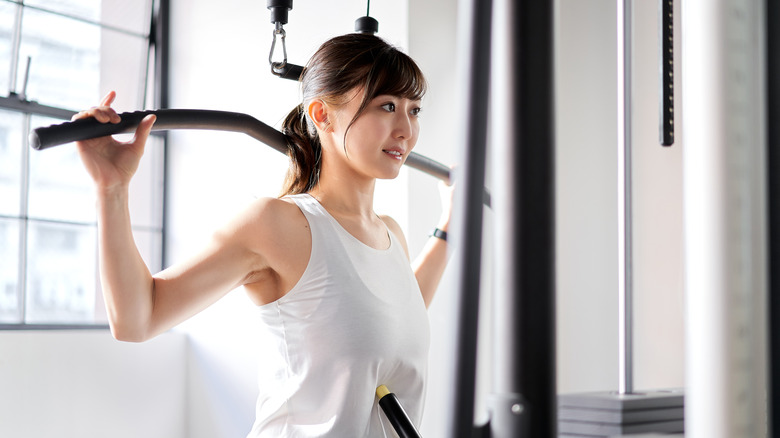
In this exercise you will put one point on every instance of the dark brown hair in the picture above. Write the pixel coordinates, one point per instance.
(340, 65)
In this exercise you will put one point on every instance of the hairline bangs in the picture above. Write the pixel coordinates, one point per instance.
(394, 74)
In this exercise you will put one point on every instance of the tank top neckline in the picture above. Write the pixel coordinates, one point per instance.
(340, 228)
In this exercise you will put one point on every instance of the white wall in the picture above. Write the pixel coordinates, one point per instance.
(586, 196)
(85, 384)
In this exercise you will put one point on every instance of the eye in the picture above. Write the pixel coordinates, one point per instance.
(389, 107)
(416, 111)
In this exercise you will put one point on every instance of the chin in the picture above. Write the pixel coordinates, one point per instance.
(389, 175)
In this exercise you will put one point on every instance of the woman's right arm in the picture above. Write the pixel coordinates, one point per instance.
(111, 164)
(140, 305)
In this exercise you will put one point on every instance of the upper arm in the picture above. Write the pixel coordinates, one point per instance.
(234, 253)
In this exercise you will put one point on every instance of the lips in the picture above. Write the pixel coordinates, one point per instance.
(397, 154)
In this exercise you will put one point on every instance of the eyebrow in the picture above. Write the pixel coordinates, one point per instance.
(397, 96)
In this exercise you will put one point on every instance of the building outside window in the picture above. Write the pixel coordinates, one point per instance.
(63, 56)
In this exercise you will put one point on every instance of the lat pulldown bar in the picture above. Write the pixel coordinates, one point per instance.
(167, 119)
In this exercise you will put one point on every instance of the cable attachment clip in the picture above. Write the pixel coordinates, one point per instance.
(283, 69)
(279, 30)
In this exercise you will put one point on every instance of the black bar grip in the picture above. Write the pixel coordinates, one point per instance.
(392, 408)
(666, 105)
(83, 129)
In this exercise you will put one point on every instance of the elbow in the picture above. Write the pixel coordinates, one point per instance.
(129, 321)
(124, 333)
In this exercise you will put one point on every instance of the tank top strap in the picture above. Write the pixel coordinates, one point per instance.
(325, 223)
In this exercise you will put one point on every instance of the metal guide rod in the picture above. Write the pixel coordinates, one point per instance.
(624, 204)
(15, 49)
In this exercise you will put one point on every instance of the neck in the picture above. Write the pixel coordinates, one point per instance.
(346, 195)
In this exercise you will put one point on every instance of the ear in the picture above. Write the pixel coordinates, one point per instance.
(318, 113)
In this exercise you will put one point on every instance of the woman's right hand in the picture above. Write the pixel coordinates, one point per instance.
(109, 162)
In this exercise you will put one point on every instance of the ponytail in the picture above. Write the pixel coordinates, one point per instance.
(305, 152)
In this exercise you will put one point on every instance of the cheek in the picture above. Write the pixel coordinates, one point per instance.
(415, 132)
(359, 139)
(364, 131)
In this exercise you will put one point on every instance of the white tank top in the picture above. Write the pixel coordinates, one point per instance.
(354, 321)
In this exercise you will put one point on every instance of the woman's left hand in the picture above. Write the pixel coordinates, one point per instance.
(446, 193)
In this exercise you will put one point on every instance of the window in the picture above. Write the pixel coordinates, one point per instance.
(63, 55)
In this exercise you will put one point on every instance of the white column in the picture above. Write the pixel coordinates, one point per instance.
(724, 218)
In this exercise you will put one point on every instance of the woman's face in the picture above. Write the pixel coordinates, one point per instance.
(381, 139)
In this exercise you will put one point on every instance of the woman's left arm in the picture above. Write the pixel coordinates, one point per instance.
(429, 265)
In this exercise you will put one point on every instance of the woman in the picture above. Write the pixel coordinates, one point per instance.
(343, 310)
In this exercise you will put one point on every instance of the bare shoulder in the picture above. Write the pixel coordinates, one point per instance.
(267, 220)
(265, 228)
(276, 211)
(272, 236)
(392, 225)
(394, 228)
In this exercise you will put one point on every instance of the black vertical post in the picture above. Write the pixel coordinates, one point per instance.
(467, 222)
(524, 400)
(773, 172)
(161, 38)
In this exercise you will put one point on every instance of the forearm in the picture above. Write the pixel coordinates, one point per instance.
(128, 286)
(429, 265)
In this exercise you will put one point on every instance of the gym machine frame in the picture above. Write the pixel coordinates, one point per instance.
(518, 62)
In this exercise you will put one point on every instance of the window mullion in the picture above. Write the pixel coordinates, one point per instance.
(15, 48)
(24, 221)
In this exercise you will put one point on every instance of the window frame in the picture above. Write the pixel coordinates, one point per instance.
(158, 46)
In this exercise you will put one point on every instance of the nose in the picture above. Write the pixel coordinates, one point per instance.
(404, 126)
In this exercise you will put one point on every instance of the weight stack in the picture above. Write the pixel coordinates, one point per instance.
(611, 415)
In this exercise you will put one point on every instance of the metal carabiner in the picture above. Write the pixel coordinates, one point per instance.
(278, 31)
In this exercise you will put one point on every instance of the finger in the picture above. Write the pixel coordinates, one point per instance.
(109, 99)
(113, 116)
(101, 114)
(143, 130)
(79, 115)
(104, 114)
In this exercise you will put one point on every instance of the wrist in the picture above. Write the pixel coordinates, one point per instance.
(112, 192)
(439, 234)
(443, 224)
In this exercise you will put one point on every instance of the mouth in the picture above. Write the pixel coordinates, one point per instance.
(395, 154)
